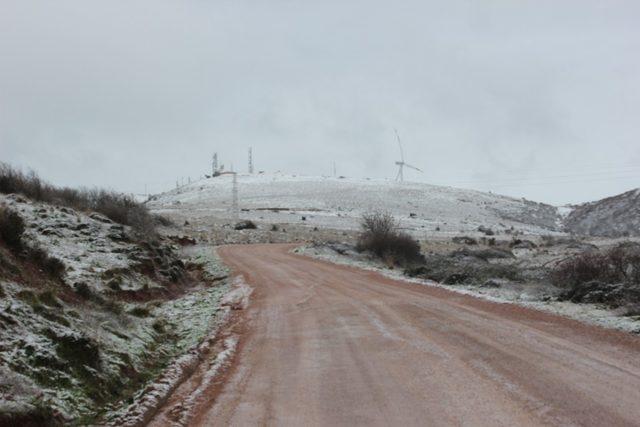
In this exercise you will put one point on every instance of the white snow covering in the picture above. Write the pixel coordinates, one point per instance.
(338, 203)
(32, 325)
(87, 244)
(184, 410)
(238, 298)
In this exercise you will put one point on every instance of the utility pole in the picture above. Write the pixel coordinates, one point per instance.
(236, 211)
(250, 160)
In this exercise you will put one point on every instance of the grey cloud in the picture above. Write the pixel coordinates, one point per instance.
(530, 98)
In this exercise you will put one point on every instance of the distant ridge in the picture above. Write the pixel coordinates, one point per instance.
(615, 216)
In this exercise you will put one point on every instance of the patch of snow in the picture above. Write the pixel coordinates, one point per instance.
(183, 411)
(238, 298)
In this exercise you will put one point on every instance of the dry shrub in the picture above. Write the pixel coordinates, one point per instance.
(620, 264)
(245, 225)
(49, 264)
(118, 207)
(11, 228)
(381, 237)
(164, 221)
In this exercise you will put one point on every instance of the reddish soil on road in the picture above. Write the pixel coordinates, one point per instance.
(329, 345)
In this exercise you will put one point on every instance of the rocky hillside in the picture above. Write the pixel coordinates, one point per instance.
(615, 216)
(90, 313)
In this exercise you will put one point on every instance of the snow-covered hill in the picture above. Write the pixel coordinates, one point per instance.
(615, 216)
(339, 203)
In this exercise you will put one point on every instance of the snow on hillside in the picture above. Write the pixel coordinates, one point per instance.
(339, 202)
(76, 343)
(615, 216)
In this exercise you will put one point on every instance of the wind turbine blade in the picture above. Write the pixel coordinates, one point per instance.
(399, 144)
(413, 167)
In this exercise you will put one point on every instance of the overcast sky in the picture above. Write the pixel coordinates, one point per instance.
(539, 99)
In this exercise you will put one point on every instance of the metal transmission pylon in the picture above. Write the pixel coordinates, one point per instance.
(234, 202)
(250, 160)
(214, 164)
(401, 164)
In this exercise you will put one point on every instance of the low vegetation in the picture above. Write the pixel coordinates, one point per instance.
(11, 228)
(245, 225)
(466, 266)
(381, 236)
(117, 207)
(620, 264)
(610, 277)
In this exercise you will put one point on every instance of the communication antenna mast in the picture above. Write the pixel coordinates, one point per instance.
(250, 160)
(214, 164)
(236, 211)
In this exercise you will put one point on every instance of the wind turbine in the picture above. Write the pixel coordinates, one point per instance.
(401, 164)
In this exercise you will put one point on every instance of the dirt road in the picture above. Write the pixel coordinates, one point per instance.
(331, 345)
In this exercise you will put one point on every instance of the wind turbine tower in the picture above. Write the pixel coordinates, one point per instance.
(401, 164)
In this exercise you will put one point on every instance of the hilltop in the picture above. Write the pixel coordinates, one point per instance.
(338, 203)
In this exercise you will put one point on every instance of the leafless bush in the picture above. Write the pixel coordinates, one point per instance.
(379, 224)
(620, 264)
(381, 237)
(11, 228)
(118, 207)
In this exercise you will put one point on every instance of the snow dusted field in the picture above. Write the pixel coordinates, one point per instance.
(338, 203)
